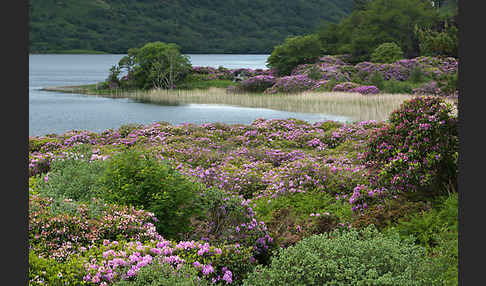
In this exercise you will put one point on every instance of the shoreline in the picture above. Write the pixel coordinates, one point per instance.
(90, 89)
(356, 106)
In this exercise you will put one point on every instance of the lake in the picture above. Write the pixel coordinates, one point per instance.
(55, 112)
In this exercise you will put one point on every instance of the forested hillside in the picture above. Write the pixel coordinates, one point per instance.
(197, 26)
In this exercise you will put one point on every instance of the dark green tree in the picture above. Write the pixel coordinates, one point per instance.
(155, 65)
(293, 52)
(438, 43)
(360, 4)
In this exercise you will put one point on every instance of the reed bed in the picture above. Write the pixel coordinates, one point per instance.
(355, 106)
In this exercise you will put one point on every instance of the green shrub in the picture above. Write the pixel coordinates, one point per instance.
(47, 271)
(437, 230)
(377, 80)
(349, 257)
(448, 83)
(221, 214)
(34, 182)
(163, 274)
(435, 43)
(74, 177)
(302, 205)
(387, 53)
(294, 216)
(417, 75)
(136, 178)
(426, 226)
(315, 73)
(447, 251)
(388, 213)
(395, 86)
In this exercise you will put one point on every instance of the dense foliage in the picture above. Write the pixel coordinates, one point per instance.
(387, 53)
(155, 65)
(293, 52)
(382, 21)
(253, 189)
(440, 41)
(161, 274)
(349, 257)
(137, 178)
(416, 152)
(218, 26)
(418, 27)
(420, 75)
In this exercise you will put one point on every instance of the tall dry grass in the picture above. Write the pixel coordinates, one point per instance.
(355, 106)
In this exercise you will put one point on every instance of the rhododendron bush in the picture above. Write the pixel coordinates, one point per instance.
(416, 151)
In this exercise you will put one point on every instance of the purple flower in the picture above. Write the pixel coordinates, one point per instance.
(228, 277)
(207, 269)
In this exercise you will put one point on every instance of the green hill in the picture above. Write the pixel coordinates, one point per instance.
(198, 26)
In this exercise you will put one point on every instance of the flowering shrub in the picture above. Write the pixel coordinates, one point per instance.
(115, 261)
(366, 89)
(416, 152)
(345, 86)
(229, 219)
(327, 68)
(429, 88)
(257, 83)
(349, 257)
(331, 60)
(210, 73)
(59, 235)
(163, 274)
(291, 84)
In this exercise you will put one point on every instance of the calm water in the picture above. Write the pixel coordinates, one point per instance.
(54, 112)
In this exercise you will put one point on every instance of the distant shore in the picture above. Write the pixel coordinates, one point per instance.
(70, 52)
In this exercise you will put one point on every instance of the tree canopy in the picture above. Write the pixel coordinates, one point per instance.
(379, 22)
(217, 26)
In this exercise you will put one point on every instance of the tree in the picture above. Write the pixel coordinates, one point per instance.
(293, 52)
(438, 43)
(155, 65)
(387, 53)
(165, 72)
